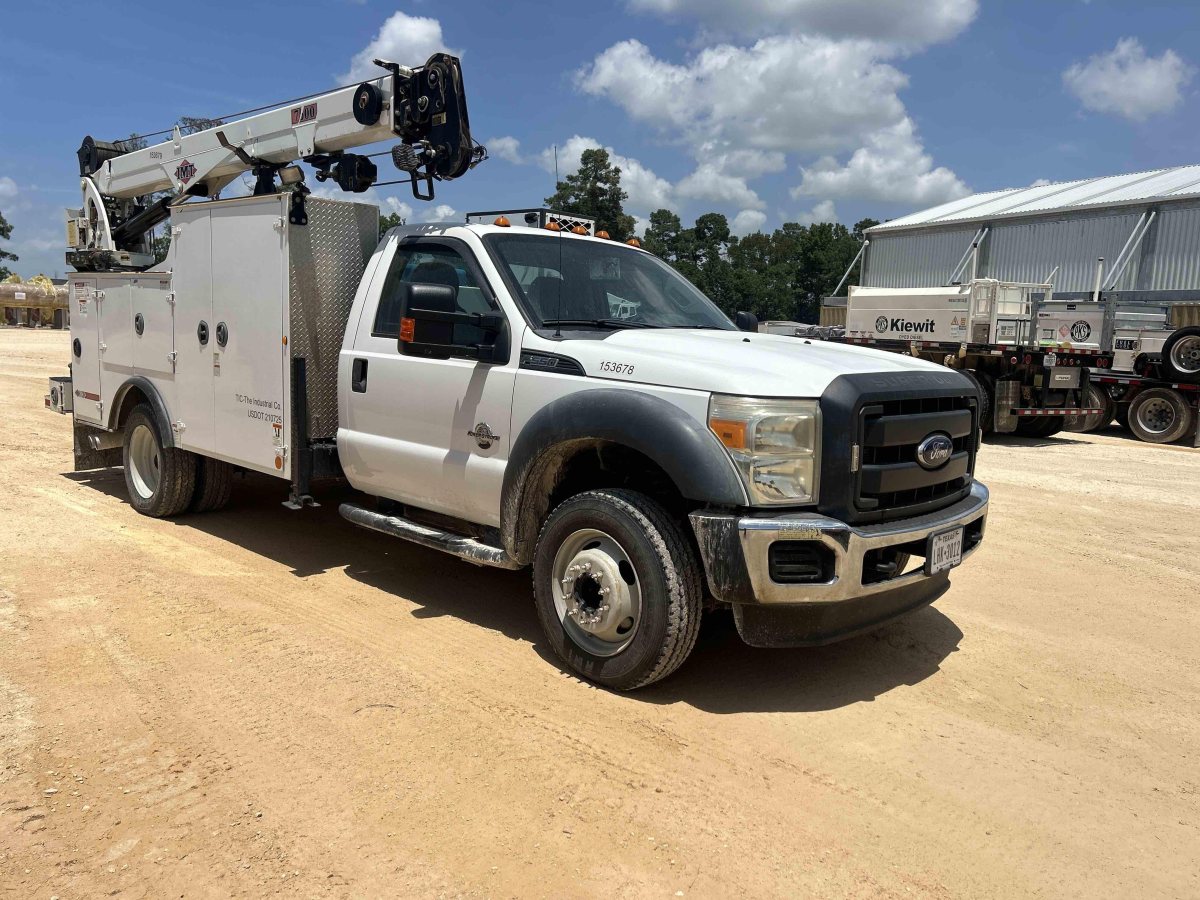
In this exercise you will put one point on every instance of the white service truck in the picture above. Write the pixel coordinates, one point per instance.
(486, 390)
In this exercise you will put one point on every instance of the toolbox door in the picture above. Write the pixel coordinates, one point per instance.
(194, 342)
(154, 343)
(248, 284)
(85, 349)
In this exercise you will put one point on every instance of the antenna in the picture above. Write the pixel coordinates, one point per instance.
(561, 274)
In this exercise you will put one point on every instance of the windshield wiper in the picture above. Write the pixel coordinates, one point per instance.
(706, 327)
(599, 323)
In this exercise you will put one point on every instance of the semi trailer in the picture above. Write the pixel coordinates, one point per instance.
(518, 394)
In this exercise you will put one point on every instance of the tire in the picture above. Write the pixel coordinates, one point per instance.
(987, 399)
(1097, 398)
(1160, 416)
(623, 535)
(1181, 355)
(1039, 426)
(214, 484)
(160, 480)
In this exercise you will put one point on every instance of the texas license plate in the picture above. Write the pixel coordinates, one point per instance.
(945, 551)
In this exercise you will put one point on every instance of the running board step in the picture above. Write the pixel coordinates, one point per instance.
(468, 548)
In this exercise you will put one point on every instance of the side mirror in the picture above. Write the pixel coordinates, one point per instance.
(430, 313)
(746, 321)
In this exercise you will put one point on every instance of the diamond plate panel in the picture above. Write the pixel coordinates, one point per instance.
(326, 262)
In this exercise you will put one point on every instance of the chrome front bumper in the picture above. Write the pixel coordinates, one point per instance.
(736, 551)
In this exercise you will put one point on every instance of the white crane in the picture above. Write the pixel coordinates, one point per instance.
(425, 107)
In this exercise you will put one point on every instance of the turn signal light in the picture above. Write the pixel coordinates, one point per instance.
(602, 234)
(407, 328)
(731, 434)
(552, 226)
(502, 222)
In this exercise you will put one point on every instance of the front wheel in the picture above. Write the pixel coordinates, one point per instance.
(617, 587)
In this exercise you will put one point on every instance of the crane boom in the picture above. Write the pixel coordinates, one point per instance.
(126, 193)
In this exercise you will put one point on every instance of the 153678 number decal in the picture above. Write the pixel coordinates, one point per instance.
(619, 368)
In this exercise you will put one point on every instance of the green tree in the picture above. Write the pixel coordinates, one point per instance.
(394, 220)
(6, 234)
(595, 191)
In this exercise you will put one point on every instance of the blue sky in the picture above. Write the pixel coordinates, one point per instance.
(765, 110)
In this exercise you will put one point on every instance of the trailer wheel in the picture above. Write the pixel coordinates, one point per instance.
(1039, 426)
(1181, 354)
(1096, 398)
(1160, 416)
(987, 399)
(617, 587)
(160, 479)
(214, 484)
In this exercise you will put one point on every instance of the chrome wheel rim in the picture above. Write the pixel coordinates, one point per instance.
(144, 465)
(1156, 416)
(1185, 355)
(597, 592)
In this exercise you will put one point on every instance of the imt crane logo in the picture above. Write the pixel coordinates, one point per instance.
(185, 172)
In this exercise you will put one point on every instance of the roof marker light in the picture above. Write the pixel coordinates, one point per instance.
(502, 222)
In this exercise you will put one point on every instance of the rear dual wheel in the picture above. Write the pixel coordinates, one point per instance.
(1097, 398)
(161, 480)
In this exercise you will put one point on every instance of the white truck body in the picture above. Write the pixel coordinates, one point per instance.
(262, 342)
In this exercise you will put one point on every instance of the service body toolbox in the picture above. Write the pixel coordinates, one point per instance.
(254, 302)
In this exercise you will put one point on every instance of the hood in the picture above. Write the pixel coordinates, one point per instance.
(725, 362)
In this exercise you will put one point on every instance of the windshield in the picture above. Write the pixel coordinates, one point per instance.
(581, 283)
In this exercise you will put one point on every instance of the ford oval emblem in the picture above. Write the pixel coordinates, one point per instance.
(934, 452)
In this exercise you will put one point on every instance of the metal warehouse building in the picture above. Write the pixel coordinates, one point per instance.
(1146, 226)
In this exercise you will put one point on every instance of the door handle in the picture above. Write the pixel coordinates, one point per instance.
(358, 376)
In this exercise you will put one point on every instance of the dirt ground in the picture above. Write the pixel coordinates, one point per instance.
(269, 703)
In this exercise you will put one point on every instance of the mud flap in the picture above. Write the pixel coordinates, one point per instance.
(1008, 395)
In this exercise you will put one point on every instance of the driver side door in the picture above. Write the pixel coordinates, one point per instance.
(418, 428)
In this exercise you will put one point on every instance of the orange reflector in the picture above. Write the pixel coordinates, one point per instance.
(731, 434)
(279, 462)
(579, 229)
(602, 234)
(553, 226)
(502, 222)
(285, 340)
(634, 242)
(407, 328)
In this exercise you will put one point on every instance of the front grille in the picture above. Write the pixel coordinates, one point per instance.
(891, 483)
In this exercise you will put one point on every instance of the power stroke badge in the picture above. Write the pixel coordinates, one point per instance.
(483, 436)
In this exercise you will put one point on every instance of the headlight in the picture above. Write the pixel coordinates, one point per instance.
(775, 444)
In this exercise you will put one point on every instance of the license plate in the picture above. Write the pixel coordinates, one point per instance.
(945, 551)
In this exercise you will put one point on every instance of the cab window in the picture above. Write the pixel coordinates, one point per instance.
(430, 263)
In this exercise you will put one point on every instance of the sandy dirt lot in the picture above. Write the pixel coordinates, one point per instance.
(268, 703)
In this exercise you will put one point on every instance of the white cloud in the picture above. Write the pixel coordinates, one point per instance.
(893, 167)
(708, 182)
(408, 40)
(443, 212)
(395, 205)
(783, 93)
(506, 148)
(914, 22)
(747, 222)
(1041, 182)
(822, 212)
(647, 191)
(1127, 82)
(8, 187)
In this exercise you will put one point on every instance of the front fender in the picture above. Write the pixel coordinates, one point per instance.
(683, 447)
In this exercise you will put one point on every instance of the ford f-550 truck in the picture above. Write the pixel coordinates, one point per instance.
(477, 385)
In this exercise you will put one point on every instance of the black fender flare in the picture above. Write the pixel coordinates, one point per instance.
(686, 450)
(161, 416)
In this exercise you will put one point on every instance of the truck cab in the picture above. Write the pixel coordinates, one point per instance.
(498, 397)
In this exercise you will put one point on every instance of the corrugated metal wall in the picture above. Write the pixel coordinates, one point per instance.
(1028, 250)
